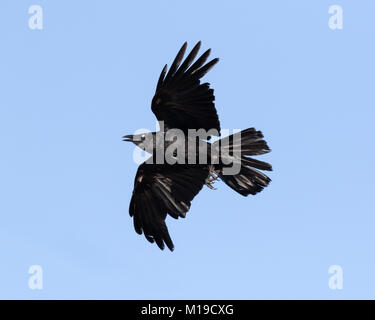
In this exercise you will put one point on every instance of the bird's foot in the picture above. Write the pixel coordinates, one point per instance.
(212, 177)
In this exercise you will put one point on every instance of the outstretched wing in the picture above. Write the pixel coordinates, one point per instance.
(160, 190)
(181, 100)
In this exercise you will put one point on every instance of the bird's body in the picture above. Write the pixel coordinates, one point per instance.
(181, 163)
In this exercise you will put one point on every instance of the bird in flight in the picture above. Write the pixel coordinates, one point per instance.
(182, 102)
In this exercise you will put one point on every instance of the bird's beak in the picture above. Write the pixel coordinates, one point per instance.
(128, 138)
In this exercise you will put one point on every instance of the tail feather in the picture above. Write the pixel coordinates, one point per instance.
(249, 180)
(261, 165)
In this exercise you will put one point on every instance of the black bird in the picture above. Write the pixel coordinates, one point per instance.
(181, 101)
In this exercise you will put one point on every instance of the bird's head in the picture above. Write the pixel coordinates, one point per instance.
(145, 141)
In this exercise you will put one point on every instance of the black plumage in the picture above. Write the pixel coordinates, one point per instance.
(160, 190)
(181, 101)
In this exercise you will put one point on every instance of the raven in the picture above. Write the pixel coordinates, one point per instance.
(182, 102)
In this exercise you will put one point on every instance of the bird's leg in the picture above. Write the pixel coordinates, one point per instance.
(212, 177)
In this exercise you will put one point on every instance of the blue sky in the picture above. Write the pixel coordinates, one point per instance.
(70, 91)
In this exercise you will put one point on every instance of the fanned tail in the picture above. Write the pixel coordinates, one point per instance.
(249, 180)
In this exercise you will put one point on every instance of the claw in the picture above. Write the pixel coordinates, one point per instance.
(212, 177)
